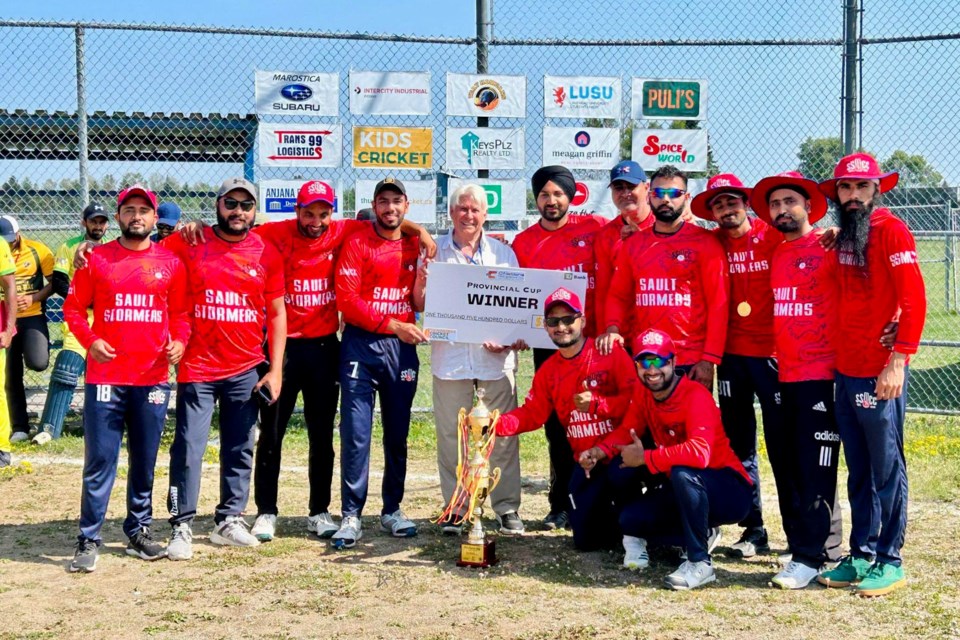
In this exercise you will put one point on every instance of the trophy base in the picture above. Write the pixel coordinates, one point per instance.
(478, 555)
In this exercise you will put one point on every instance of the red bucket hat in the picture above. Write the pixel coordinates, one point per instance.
(788, 179)
(858, 166)
(717, 185)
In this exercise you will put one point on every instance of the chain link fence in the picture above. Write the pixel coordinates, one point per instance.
(173, 107)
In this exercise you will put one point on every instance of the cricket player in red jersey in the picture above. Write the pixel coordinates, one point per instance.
(749, 368)
(137, 292)
(880, 281)
(561, 242)
(236, 288)
(706, 485)
(376, 274)
(589, 393)
(630, 191)
(674, 278)
(806, 445)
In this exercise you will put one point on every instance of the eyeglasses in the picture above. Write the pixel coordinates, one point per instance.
(657, 362)
(555, 321)
(663, 194)
(232, 203)
(165, 227)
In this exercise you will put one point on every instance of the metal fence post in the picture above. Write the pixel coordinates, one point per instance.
(849, 97)
(82, 149)
(483, 55)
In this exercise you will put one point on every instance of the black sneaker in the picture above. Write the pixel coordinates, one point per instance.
(556, 520)
(752, 542)
(85, 557)
(448, 526)
(143, 546)
(511, 524)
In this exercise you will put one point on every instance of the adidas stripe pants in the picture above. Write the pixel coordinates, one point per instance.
(812, 442)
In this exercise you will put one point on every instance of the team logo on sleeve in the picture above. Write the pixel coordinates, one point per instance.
(408, 375)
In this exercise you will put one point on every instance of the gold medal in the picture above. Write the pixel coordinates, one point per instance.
(744, 309)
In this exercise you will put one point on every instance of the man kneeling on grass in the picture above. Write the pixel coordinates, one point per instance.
(707, 485)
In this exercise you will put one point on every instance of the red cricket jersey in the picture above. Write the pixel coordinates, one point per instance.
(308, 265)
(889, 287)
(569, 248)
(230, 285)
(804, 281)
(750, 332)
(685, 427)
(375, 279)
(610, 378)
(606, 247)
(139, 301)
(675, 283)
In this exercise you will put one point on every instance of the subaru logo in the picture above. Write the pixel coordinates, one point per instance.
(296, 92)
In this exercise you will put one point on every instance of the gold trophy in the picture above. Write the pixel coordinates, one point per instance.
(476, 436)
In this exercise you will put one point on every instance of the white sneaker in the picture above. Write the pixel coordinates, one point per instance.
(347, 535)
(785, 558)
(795, 576)
(232, 532)
(322, 525)
(714, 536)
(635, 553)
(42, 438)
(19, 436)
(264, 527)
(398, 525)
(181, 542)
(690, 575)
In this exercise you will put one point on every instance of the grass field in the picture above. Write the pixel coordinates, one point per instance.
(296, 587)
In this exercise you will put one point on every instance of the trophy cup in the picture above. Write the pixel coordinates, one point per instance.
(476, 436)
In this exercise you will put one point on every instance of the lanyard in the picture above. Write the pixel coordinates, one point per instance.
(476, 258)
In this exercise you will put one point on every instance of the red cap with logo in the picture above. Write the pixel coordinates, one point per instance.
(563, 296)
(858, 166)
(137, 190)
(655, 342)
(716, 186)
(760, 199)
(315, 191)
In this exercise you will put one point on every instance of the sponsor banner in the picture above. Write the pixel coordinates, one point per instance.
(393, 147)
(299, 145)
(668, 99)
(506, 199)
(593, 197)
(390, 93)
(581, 97)
(485, 148)
(581, 147)
(422, 195)
(294, 93)
(486, 96)
(686, 149)
(474, 304)
(278, 198)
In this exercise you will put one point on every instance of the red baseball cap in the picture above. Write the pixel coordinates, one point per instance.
(563, 296)
(316, 191)
(858, 166)
(759, 199)
(655, 342)
(137, 190)
(718, 185)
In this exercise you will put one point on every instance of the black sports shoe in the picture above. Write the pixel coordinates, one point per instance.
(752, 542)
(557, 520)
(85, 557)
(143, 546)
(511, 524)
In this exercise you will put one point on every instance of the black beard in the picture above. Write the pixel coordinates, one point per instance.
(788, 225)
(666, 213)
(223, 224)
(129, 234)
(855, 228)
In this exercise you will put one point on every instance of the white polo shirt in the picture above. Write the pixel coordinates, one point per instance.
(459, 360)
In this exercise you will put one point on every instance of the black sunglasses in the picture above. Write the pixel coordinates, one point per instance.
(232, 203)
(555, 321)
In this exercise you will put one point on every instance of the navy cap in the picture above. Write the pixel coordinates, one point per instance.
(94, 210)
(168, 213)
(628, 171)
(9, 228)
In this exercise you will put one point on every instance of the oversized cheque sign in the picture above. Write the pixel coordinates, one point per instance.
(476, 304)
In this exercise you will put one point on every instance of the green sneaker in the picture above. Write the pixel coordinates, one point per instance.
(881, 580)
(850, 571)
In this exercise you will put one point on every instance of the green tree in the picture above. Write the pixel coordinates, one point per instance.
(914, 170)
(818, 157)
